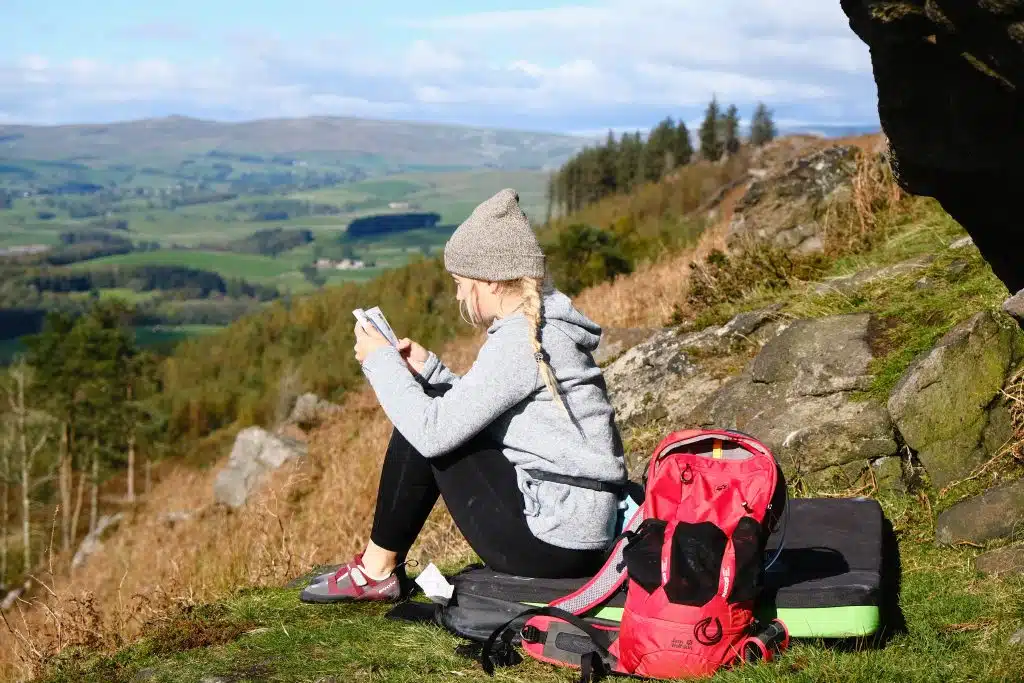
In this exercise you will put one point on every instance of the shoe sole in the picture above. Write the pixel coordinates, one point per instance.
(326, 599)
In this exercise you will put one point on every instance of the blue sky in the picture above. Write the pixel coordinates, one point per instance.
(529, 64)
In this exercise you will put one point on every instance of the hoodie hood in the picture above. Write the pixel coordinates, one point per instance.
(559, 312)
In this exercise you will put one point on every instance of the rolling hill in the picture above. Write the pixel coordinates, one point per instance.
(311, 140)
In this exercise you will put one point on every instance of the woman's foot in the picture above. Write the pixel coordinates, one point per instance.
(352, 582)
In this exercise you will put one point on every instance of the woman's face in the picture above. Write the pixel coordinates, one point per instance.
(482, 299)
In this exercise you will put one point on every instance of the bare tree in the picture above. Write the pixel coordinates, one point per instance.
(19, 408)
(94, 497)
(5, 494)
(65, 486)
(131, 455)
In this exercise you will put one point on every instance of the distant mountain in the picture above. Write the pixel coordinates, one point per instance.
(322, 140)
(830, 130)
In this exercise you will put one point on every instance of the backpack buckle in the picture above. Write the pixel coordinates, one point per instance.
(532, 634)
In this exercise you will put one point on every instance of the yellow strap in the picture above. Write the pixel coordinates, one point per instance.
(717, 454)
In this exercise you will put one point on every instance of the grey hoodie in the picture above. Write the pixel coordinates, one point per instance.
(504, 394)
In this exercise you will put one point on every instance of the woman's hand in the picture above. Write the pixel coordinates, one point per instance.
(367, 341)
(415, 355)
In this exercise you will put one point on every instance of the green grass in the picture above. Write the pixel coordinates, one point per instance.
(958, 624)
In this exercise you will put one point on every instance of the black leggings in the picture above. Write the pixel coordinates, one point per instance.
(479, 487)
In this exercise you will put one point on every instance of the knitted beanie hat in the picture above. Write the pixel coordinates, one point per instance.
(496, 243)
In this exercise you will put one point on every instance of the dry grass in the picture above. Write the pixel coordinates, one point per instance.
(649, 296)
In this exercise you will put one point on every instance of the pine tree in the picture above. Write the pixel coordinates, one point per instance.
(631, 148)
(711, 146)
(731, 130)
(659, 152)
(606, 158)
(683, 147)
(551, 195)
(762, 127)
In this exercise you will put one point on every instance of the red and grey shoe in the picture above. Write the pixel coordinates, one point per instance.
(350, 582)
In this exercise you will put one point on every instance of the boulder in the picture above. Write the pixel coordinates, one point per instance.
(655, 379)
(310, 411)
(836, 477)
(93, 543)
(797, 397)
(12, 596)
(617, 340)
(1017, 639)
(1014, 306)
(255, 452)
(1009, 560)
(784, 208)
(997, 513)
(753, 325)
(888, 474)
(955, 149)
(946, 406)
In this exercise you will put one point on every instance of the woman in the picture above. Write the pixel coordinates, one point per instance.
(523, 447)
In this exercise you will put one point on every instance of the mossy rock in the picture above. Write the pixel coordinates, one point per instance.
(946, 405)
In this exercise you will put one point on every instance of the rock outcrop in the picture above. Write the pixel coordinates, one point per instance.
(797, 397)
(997, 513)
(664, 377)
(255, 453)
(310, 411)
(656, 379)
(786, 209)
(93, 543)
(1008, 560)
(948, 405)
(1014, 306)
(617, 340)
(962, 150)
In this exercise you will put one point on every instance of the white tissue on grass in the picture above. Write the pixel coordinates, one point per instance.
(434, 585)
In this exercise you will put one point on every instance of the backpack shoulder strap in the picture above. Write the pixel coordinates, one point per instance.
(607, 581)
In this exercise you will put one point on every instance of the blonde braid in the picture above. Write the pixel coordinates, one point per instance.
(533, 309)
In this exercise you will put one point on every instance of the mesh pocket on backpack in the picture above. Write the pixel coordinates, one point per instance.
(748, 545)
(643, 554)
(696, 564)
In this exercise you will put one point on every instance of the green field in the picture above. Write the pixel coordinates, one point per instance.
(158, 196)
(163, 336)
(454, 195)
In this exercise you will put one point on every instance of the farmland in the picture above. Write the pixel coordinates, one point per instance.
(190, 234)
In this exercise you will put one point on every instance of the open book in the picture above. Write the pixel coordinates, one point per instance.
(375, 318)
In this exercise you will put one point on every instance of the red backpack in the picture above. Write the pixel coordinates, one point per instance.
(693, 557)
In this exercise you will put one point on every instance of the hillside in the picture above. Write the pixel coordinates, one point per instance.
(838, 293)
(313, 139)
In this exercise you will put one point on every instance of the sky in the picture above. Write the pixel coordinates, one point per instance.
(526, 64)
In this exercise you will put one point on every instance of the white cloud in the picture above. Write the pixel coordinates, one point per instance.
(611, 62)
